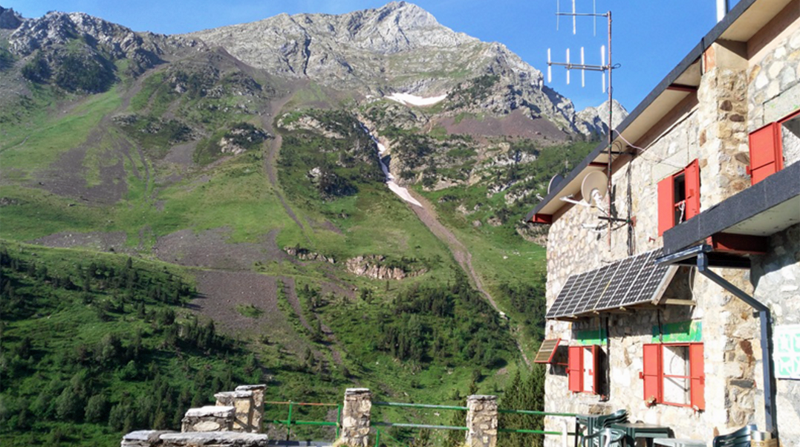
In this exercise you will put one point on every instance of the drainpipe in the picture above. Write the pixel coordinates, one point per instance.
(722, 9)
(770, 407)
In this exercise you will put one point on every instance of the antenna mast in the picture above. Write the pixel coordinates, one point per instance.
(605, 51)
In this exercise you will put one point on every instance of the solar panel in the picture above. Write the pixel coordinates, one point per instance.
(633, 280)
(557, 305)
(598, 285)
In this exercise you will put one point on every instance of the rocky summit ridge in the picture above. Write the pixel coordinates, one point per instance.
(399, 47)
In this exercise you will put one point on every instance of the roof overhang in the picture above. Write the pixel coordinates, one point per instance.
(740, 24)
(741, 224)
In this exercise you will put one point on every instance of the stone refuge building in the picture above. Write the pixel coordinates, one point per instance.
(675, 294)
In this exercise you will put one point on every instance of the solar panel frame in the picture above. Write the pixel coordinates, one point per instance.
(617, 294)
(599, 284)
(634, 280)
(648, 269)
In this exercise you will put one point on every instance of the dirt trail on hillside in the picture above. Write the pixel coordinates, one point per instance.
(271, 160)
(294, 301)
(460, 252)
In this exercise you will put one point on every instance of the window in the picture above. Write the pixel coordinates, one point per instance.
(583, 369)
(766, 155)
(768, 144)
(679, 197)
(674, 374)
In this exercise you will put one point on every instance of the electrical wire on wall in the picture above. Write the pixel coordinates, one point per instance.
(643, 151)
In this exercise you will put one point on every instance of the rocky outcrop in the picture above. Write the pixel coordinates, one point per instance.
(377, 267)
(83, 47)
(9, 19)
(307, 255)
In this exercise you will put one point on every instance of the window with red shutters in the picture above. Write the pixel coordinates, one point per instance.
(673, 374)
(575, 369)
(679, 197)
(765, 152)
(697, 366)
(692, 189)
(652, 373)
(583, 369)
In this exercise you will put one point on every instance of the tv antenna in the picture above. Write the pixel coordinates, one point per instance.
(605, 54)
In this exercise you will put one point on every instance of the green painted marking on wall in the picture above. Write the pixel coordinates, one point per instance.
(680, 332)
(591, 337)
(786, 354)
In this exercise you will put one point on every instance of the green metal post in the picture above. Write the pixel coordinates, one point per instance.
(378, 438)
(289, 422)
(338, 420)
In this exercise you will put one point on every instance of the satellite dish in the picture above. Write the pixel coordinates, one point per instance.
(594, 186)
(558, 178)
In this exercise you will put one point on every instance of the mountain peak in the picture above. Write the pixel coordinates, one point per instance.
(9, 19)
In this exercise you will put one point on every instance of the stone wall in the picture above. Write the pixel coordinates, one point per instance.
(210, 418)
(776, 277)
(481, 421)
(355, 417)
(774, 83)
(242, 403)
(153, 438)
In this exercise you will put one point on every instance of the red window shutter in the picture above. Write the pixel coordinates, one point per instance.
(692, 178)
(766, 154)
(697, 371)
(575, 368)
(652, 372)
(666, 209)
(596, 369)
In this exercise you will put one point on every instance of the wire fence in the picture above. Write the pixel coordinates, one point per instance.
(291, 419)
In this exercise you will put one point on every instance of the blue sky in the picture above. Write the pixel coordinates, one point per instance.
(649, 38)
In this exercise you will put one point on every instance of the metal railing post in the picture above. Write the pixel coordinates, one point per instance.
(289, 422)
(338, 419)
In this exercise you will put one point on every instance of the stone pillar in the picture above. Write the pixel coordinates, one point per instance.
(481, 421)
(210, 418)
(355, 417)
(258, 404)
(722, 119)
(242, 402)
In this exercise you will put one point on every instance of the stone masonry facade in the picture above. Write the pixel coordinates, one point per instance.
(777, 279)
(742, 88)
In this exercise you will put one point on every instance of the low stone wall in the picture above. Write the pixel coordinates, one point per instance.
(154, 438)
(482, 421)
(257, 413)
(356, 417)
(206, 419)
(242, 403)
